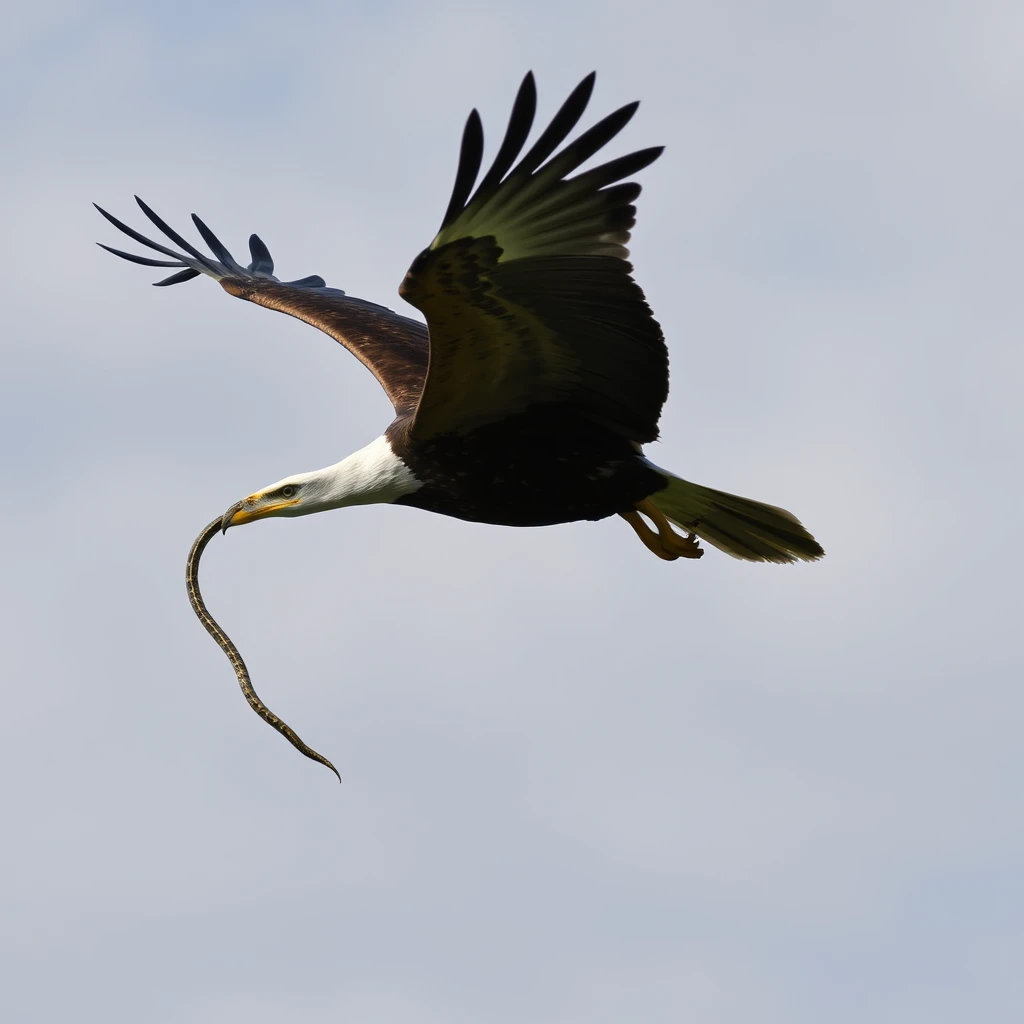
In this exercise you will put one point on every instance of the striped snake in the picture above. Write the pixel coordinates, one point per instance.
(225, 644)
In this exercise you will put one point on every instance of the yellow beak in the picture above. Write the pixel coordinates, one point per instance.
(248, 509)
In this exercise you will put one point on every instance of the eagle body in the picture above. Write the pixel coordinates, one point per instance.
(526, 396)
(539, 468)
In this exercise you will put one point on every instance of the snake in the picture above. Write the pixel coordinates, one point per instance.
(223, 641)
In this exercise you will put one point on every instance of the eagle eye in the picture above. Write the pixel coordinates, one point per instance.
(287, 491)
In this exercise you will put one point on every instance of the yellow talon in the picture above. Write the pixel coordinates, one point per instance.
(666, 543)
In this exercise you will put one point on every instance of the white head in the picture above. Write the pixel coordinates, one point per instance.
(372, 475)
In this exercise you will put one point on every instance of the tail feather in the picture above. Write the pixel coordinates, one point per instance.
(738, 526)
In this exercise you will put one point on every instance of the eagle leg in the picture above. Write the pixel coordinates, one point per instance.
(652, 541)
(672, 542)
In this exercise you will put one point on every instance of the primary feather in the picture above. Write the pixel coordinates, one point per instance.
(526, 289)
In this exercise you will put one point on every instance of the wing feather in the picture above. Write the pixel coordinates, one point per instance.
(181, 275)
(393, 347)
(518, 131)
(470, 156)
(562, 123)
(262, 261)
(527, 291)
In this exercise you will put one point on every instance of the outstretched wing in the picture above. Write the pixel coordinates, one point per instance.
(526, 288)
(393, 347)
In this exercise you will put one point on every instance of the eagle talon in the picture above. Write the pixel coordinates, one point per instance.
(686, 547)
(666, 543)
(654, 542)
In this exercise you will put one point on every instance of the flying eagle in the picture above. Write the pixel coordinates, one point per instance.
(540, 373)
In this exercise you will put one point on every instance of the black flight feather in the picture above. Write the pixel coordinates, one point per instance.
(216, 245)
(591, 141)
(563, 122)
(182, 275)
(470, 156)
(144, 260)
(172, 234)
(132, 233)
(615, 170)
(519, 124)
(262, 261)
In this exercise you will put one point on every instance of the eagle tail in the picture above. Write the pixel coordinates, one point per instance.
(738, 526)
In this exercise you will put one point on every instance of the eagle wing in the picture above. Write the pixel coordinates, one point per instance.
(393, 347)
(527, 290)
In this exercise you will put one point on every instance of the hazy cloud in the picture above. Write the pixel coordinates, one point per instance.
(580, 784)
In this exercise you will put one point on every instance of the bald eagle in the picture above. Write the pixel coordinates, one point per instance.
(540, 373)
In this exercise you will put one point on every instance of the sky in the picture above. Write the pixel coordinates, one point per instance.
(580, 784)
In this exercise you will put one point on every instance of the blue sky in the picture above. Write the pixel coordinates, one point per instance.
(581, 785)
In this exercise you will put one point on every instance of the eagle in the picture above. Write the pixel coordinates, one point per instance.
(526, 397)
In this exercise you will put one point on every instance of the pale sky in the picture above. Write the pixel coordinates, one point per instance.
(580, 784)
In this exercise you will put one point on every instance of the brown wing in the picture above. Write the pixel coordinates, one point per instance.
(393, 347)
(526, 288)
